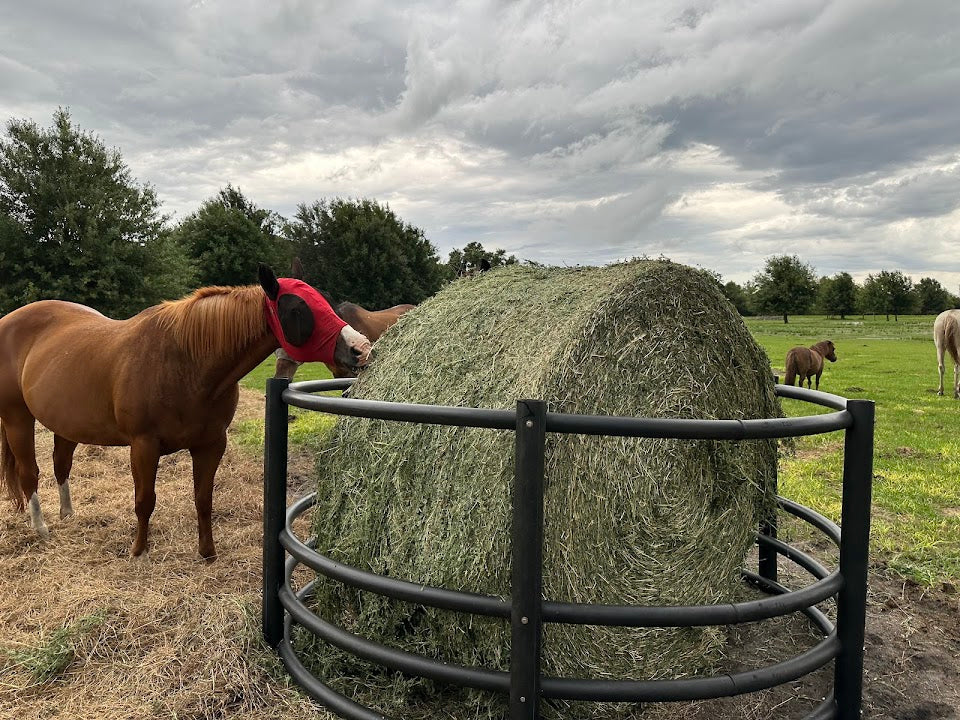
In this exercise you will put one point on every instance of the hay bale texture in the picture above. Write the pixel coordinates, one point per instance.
(627, 521)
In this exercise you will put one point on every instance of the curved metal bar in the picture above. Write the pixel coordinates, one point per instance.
(693, 688)
(406, 412)
(827, 710)
(791, 553)
(406, 662)
(561, 612)
(817, 397)
(609, 425)
(319, 691)
(824, 524)
(299, 395)
(694, 615)
(466, 602)
(772, 586)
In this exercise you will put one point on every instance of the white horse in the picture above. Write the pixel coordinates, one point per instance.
(946, 335)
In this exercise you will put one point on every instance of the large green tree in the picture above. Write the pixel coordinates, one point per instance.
(837, 295)
(229, 235)
(888, 293)
(75, 225)
(786, 286)
(359, 250)
(932, 297)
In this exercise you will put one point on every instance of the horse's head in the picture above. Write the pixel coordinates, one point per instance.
(306, 326)
(830, 352)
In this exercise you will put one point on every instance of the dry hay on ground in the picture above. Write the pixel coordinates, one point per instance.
(88, 632)
(643, 522)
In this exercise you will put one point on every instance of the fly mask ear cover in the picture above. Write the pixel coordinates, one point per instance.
(303, 322)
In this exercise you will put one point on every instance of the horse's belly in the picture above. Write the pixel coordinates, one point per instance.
(72, 403)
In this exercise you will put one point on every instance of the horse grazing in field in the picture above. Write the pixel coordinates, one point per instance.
(946, 336)
(805, 363)
(161, 381)
(372, 323)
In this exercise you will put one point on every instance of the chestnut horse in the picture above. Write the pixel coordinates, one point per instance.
(946, 336)
(161, 381)
(372, 323)
(805, 363)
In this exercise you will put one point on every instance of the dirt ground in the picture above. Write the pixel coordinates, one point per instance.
(172, 636)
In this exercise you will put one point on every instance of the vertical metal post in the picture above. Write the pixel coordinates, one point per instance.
(526, 537)
(274, 508)
(767, 565)
(854, 549)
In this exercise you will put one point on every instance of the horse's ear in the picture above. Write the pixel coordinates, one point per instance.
(296, 269)
(268, 281)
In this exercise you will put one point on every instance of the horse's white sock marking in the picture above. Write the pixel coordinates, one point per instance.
(36, 517)
(66, 507)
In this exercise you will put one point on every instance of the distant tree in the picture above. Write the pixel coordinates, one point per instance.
(932, 297)
(228, 236)
(888, 293)
(473, 256)
(785, 286)
(740, 297)
(837, 295)
(75, 225)
(359, 250)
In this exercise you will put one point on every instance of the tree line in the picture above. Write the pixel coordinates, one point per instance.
(75, 225)
(787, 286)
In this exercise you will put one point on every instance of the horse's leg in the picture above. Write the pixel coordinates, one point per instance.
(940, 367)
(206, 460)
(818, 379)
(956, 381)
(62, 463)
(144, 458)
(19, 429)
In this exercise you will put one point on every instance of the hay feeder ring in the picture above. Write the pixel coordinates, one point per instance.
(526, 611)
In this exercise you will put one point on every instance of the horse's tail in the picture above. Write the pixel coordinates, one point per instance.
(8, 470)
(791, 369)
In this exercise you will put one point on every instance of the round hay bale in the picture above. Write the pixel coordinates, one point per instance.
(626, 521)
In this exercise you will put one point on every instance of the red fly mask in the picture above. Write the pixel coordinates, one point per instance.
(301, 319)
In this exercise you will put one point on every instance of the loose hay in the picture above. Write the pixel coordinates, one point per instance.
(627, 521)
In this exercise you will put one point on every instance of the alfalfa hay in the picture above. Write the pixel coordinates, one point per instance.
(627, 521)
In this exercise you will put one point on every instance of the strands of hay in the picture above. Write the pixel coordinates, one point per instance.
(627, 521)
(88, 632)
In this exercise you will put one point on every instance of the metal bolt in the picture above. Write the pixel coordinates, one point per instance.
(523, 699)
(524, 620)
(529, 423)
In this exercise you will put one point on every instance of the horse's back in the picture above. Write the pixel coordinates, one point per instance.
(59, 359)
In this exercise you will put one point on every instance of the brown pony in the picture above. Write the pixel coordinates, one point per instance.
(161, 381)
(946, 336)
(805, 363)
(372, 323)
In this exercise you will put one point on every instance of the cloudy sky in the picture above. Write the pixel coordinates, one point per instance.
(714, 132)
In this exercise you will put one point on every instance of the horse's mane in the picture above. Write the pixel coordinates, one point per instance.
(214, 320)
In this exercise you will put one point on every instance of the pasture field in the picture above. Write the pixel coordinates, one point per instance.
(916, 487)
(89, 633)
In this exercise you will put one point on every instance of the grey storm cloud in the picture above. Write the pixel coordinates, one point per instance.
(715, 132)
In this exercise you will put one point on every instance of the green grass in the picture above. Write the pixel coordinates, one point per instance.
(916, 487)
(308, 430)
(48, 660)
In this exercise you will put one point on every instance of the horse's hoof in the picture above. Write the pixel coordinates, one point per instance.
(208, 554)
(64, 514)
(42, 532)
(940, 393)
